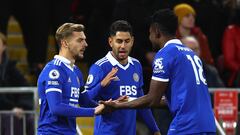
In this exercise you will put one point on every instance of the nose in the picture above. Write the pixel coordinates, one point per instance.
(123, 44)
(85, 43)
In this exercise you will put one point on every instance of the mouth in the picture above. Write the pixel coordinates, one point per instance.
(82, 51)
(122, 53)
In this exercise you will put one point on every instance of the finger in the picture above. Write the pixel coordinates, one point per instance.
(113, 78)
(102, 102)
(122, 97)
(113, 71)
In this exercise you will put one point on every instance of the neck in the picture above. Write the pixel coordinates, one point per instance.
(165, 40)
(67, 56)
(123, 62)
(184, 31)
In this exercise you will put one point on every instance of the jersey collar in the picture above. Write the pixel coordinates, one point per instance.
(173, 41)
(114, 62)
(65, 61)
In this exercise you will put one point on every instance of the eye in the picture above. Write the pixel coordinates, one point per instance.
(80, 40)
(127, 41)
(119, 41)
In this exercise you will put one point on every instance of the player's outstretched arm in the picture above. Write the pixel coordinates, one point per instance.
(99, 109)
(58, 108)
(152, 99)
(85, 100)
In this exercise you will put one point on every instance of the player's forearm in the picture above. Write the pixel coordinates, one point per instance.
(86, 101)
(58, 108)
(94, 91)
(66, 110)
(141, 102)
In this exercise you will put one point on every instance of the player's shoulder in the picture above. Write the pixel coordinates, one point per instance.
(101, 62)
(53, 66)
(134, 60)
(173, 49)
(99, 65)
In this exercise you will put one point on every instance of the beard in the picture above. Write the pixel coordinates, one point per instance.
(76, 54)
(78, 57)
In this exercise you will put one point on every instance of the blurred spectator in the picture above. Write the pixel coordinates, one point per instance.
(231, 50)
(34, 24)
(208, 13)
(186, 19)
(211, 73)
(10, 76)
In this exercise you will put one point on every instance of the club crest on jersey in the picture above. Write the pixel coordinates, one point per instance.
(54, 74)
(90, 79)
(158, 66)
(135, 77)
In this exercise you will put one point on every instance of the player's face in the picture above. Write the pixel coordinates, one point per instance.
(121, 45)
(188, 21)
(77, 45)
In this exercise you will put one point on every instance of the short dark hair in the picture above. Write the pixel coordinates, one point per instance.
(166, 21)
(120, 25)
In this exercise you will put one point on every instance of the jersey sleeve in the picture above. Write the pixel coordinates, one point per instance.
(84, 99)
(93, 84)
(161, 67)
(54, 79)
(147, 116)
(57, 107)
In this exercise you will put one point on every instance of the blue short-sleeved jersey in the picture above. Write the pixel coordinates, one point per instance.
(187, 93)
(58, 77)
(129, 82)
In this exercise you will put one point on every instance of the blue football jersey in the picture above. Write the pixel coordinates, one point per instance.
(129, 82)
(58, 77)
(187, 94)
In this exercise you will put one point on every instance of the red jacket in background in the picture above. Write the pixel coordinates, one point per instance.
(203, 43)
(231, 51)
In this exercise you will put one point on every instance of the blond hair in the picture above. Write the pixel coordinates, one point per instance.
(66, 30)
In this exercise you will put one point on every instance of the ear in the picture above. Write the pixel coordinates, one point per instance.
(110, 40)
(157, 33)
(64, 43)
(132, 39)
